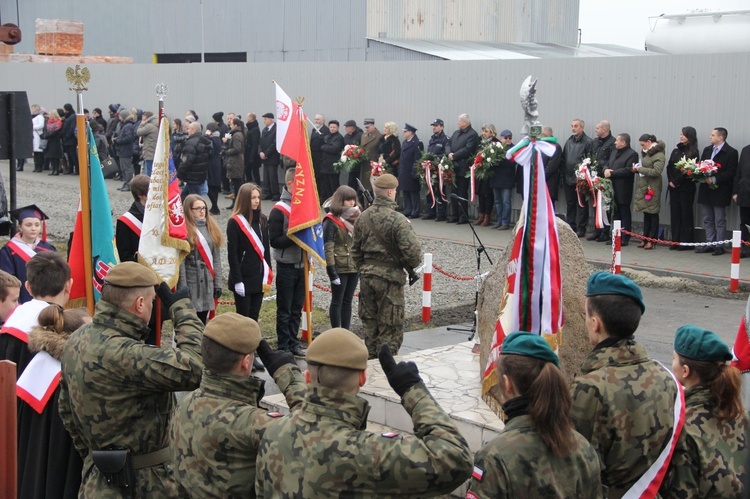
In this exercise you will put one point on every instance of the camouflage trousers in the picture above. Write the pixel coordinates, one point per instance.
(381, 309)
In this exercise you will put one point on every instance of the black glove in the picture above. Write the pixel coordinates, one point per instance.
(413, 277)
(217, 293)
(274, 360)
(168, 298)
(401, 376)
(331, 271)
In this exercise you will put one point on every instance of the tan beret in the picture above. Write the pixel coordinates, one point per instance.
(338, 347)
(386, 181)
(234, 331)
(131, 275)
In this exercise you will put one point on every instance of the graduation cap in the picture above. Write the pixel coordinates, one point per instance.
(31, 211)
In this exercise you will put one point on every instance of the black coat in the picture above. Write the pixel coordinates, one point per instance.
(673, 174)
(252, 141)
(463, 144)
(268, 146)
(127, 241)
(742, 179)
(411, 150)
(573, 152)
(728, 158)
(330, 149)
(244, 264)
(317, 139)
(354, 138)
(603, 149)
(126, 139)
(213, 172)
(69, 138)
(54, 142)
(552, 165)
(503, 173)
(390, 149)
(621, 164)
(194, 160)
(437, 144)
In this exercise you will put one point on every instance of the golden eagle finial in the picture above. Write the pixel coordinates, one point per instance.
(78, 78)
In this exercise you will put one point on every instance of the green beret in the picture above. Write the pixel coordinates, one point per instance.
(235, 332)
(386, 181)
(697, 343)
(604, 283)
(131, 275)
(338, 347)
(529, 345)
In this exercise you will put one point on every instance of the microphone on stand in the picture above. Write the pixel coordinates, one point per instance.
(456, 197)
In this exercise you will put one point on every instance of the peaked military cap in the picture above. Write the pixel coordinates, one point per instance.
(338, 347)
(409, 128)
(386, 181)
(697, 343)
(369, 121)
(235, 332)
(131, 275)
(529, 345)
(604, 283)
(437, 121)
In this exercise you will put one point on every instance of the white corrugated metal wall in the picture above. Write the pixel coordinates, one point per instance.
(657, 95)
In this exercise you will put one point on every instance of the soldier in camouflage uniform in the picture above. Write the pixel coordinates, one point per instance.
(623, 403)
(117, 392)
(384, 244)
(323, 449)
(217, 428)
(714, 462)
(538, 454)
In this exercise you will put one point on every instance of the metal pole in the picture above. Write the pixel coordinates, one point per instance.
(203, 37)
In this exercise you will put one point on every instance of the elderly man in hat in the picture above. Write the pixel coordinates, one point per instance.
(384, 246)
(369, 142)
(117, 393)
(270, 158)
(217, 428)
(323, 449)
(353, 136)
(331, 149)
(623, 402)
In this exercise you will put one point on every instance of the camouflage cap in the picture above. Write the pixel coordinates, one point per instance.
(697, 343)
(604, 283)
(234, 331)
(131, 275)
(338, 347)
(386, 181)
(529, 345)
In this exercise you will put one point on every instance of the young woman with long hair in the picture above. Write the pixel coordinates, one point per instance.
(538, 454)
(714, 460)
(682, 189)
(201, 269)
(338, 227)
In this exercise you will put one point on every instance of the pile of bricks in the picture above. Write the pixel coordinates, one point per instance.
(59, 37)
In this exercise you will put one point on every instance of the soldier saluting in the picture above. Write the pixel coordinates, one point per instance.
(384, 245)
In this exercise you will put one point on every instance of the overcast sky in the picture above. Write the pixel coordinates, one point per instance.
(627, 23)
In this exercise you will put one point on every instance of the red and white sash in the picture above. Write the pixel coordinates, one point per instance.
(131, 221)
(337, 221)
(23, 318)
(257, 245)
(285, 208)
(204, 250)
(39, 381)
(648, 485)
(22, 249)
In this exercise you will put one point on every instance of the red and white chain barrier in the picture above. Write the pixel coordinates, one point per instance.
(734, 273)
(427, 288)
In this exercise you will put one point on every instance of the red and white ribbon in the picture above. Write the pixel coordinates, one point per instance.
(257, 244)
(428, 180)
(440, 183)
(600, 212)
(135, 225)
(39, 381)
(472, 168)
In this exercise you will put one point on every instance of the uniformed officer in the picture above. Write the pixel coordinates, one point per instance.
(538, 454)
(623, 402)
(716, 424)
(384, 245)
(116, 392)
(324, 451)
(217, 428)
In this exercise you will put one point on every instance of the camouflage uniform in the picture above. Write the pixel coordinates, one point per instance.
(623, 404)
(519, 464)
(713, 464)
(381, 287)
(323, 451)
(217, 429)
(117, 391)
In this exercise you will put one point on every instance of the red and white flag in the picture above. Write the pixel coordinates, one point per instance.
(288, 131)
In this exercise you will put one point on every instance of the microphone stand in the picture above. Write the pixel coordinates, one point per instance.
(478, 249)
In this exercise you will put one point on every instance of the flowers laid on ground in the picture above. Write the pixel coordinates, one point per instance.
(428, 160)
(378, 167)
(352, 156)
(585, 171)
(698, 171)
(490, 154)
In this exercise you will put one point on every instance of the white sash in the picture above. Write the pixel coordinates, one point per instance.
(257, 244)
(131, 221)
(205, 251)
(39, 381)
(22, 249)
(23, 319)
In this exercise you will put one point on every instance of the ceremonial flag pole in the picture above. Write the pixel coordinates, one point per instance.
(78, 78)
(161, 92)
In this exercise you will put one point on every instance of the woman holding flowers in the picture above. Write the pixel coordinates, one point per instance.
(648, 186)
(390, 148)
(682, 189)
(484, 186)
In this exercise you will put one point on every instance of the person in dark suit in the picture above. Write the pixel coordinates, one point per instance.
(741, 196)
(620, 171)
(317, 139)
(333, 144)
(461, 150)
(270, 158)
(714, 201)
(252, 140)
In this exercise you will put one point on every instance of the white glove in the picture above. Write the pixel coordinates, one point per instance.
(336, 282)
(239, 288)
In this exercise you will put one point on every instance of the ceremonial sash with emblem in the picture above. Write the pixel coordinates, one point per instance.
(257, 244)
(23, 319)
(39, 381)
(131, 221)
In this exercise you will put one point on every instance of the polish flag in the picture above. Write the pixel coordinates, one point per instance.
(288, 116)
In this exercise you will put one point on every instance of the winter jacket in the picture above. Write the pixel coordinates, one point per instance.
(338, 248)
(411, 150)
(673, 174)
(196, 154)
(235, 154)
(728, 158)
(503, 172)
(437, 144)
(148, 132)
(552, 165)
(390, 148)
(69, 138)
(252, 140)
(603, 148)
(196, 275)
(742, 179)
(283, 249)
(354, 138)
(268, 146)
(125, 140)
(244, 264)
(317, 139)
(333, 145)
(213, 172)
(37, 122)
(53, 134)
(621, 163)
(463, 144)
(573, 152)
(649, 177)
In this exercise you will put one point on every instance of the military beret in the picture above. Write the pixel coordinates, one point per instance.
(235, 332)
(697, 343)
(338, 347)
(604, 283)
(529, 345)
(350, 123)
(386, 181)
(131, 275)
(368, 121)
(268, 115)
(409, 128)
